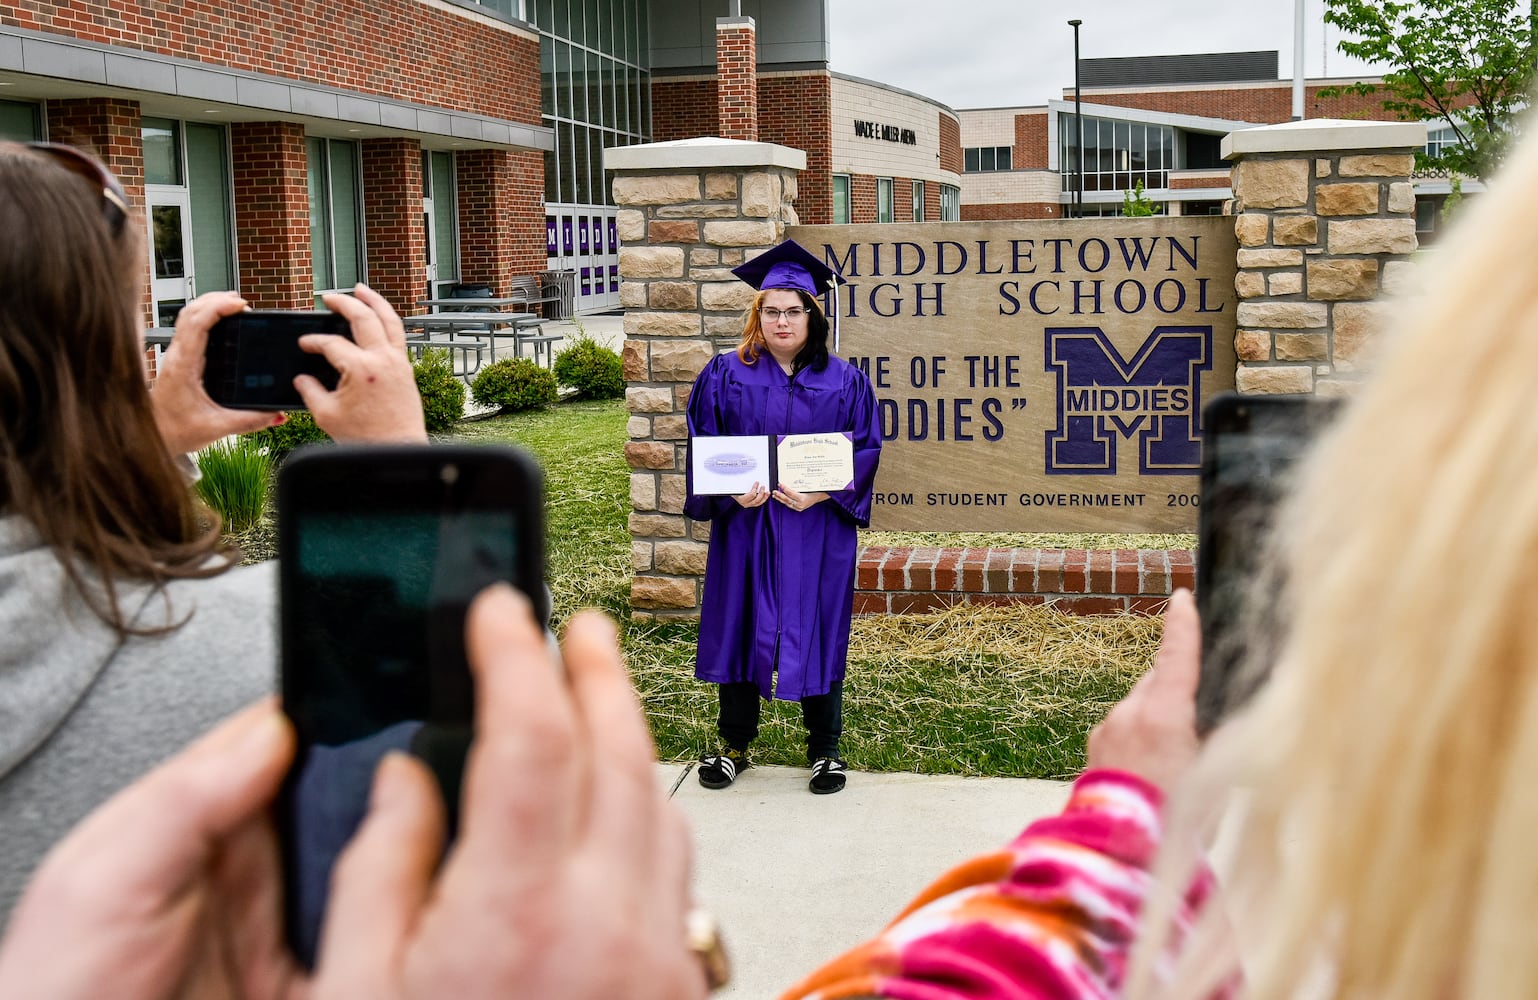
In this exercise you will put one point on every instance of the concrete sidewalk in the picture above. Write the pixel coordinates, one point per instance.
(796, 878)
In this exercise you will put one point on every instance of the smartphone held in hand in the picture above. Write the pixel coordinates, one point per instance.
(1250, 448)
(254, 355)
(382, 550)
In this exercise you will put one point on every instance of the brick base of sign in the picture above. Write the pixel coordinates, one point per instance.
(891, 580)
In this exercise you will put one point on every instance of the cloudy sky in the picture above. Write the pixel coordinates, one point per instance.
(1003, 53)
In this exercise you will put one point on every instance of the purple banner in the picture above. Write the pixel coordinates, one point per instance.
(587, 281)
(613, 277)
(552, 245)
(613, 237)
(582, 240)
(566, 243)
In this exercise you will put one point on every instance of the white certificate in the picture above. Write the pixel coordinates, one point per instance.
(816, 463)
(730, 465)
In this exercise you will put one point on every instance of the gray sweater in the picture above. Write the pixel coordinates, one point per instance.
(81, 716)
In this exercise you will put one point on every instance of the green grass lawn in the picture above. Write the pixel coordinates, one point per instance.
(970, 691)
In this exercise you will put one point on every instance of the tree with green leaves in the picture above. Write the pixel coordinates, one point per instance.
(1136, 203)
(1467, 62)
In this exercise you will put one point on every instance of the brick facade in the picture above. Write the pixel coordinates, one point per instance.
(683, 108)
(796, 110)
(737, 80)
(501, 216)
(1244, 102)
(108, 127)
(398, 49)
(950, 144)
(1001, 212)
(1030, 151)
(272, 214)
(1076, 581)
(392, 221)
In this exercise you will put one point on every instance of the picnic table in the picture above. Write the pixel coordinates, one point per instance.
(479, 329)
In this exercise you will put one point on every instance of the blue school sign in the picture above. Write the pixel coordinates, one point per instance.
(1038, 376)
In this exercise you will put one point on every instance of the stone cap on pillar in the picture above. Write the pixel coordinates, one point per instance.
(706, 152)
(1318, 135)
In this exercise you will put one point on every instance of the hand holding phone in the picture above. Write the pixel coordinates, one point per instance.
(253, 357)
(1250, 446)
(188, 420)
(381, 552)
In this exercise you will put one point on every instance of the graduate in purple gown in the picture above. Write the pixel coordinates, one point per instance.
(779, 584)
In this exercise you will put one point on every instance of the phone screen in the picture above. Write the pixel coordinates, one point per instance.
(382, 551)
(253, 357)
(1250, 447)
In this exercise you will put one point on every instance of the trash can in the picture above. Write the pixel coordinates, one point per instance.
(563, 285)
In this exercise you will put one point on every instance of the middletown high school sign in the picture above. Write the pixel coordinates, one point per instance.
(1038, 376)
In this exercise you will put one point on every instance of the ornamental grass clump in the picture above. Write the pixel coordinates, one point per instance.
(514, 384)
(443, 394)
(233, 481)
(299, 428)
(594, 371)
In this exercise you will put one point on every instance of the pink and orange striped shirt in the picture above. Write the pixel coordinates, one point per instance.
(1051, 916)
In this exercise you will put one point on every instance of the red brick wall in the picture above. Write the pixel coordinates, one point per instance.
(1011, 210)
(737, 82)
(932, 201)
(1076, 581)
(272, 214)
(1193, 183)
(1250, 104)
(683, 109)
(797, 111)
(862, 198)
(108, 127)
(1030, 142)
(501, 221)
(950, 144)
(392, 221)
(399, 49)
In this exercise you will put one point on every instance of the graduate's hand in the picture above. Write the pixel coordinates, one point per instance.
(756, 497)
(798, 501)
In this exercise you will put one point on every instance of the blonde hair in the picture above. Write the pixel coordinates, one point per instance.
(1385, 848)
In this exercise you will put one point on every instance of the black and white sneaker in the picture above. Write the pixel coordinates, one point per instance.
(827, 775)
(720, 770)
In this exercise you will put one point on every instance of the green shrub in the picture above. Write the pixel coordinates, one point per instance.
(590, 368)
(514, 384)
(300, 428)
(443, 394)
(234, 481)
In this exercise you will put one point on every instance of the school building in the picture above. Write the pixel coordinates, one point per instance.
(285, 149)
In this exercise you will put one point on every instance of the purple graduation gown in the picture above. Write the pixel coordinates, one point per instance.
(779, 583)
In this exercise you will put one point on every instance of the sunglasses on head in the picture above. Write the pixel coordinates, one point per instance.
(114, 201)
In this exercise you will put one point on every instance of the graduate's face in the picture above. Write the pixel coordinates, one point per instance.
(785, 324)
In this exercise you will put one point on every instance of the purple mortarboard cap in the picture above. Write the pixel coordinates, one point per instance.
(790, 266)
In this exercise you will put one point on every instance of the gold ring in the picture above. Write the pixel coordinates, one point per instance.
(704, 937)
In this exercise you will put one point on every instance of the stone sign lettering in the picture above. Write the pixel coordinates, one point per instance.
(1038, 376)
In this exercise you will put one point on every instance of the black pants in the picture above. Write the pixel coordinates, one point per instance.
(823, 715)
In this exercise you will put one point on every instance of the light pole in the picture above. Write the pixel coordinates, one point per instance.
(1078, 129)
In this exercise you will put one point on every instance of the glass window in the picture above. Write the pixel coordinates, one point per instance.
(1438, 139)
(440, 187)
(972, 160)
(840, 199)
(162, 151)
(208, 187)
(950, 203)
(985, 158)
(883, 199)
(1117, 154)
(335, 228)
(918, 201)
(19, 122)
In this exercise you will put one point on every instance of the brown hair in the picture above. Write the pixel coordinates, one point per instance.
(80, 456)
(815, 353)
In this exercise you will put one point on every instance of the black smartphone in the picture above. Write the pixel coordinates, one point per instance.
(381, 550)
(1250, 447)
(254, 355)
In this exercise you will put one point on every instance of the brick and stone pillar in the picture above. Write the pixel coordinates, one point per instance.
(272, 214)
(501, 216)
(737, 77)
(1325, 215)
(392, 221)
(689, 212)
